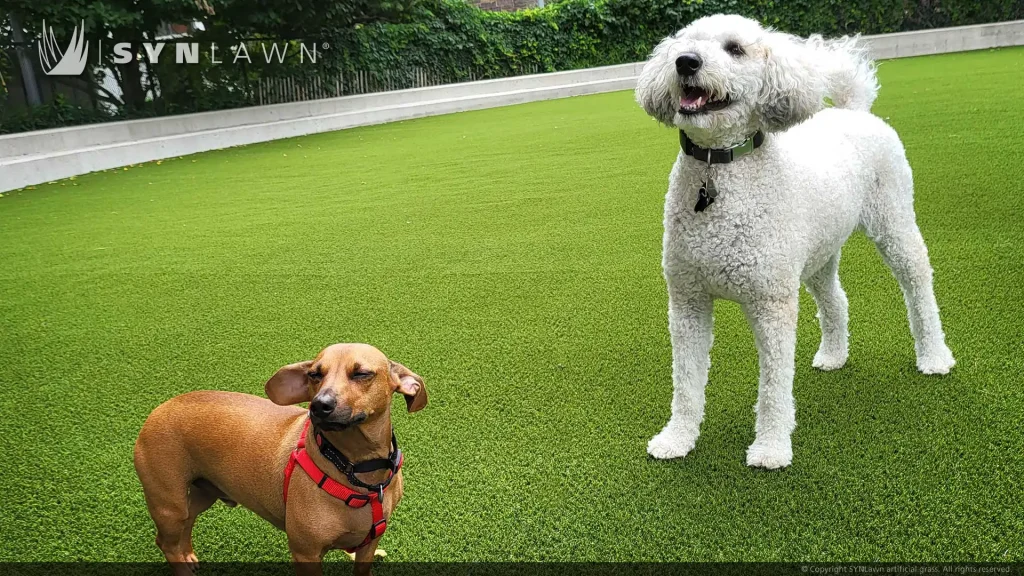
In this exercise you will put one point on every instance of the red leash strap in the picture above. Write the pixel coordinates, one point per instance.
(347, 495)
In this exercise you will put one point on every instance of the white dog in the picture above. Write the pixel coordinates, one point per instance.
(789, 182)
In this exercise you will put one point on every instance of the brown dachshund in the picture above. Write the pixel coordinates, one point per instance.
(338, 468)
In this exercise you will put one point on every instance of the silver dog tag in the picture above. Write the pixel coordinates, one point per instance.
(711, 189)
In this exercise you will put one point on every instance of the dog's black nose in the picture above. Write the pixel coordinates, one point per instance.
(322, 405)
(688, 64)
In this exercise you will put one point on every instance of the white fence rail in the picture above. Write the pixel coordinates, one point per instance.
(334, 85)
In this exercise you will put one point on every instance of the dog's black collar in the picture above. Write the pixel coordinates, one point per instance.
(350, 469)
(721, 156)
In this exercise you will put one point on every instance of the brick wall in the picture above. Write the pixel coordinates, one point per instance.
(504, 5)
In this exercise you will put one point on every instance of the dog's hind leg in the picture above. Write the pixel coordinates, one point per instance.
(832, 314)
(893, 228)
(904, 252)
(201, 496)
(774, 324)
(168, 506)
(690, 325)
(163, 470)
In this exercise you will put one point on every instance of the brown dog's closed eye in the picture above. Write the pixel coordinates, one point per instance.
(292, 384)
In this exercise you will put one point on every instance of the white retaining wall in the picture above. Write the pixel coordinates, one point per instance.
(944, 40)
(46, 155)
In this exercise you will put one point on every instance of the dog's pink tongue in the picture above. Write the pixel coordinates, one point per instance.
(695, 99)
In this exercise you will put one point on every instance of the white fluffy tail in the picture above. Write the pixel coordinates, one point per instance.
(852, 82)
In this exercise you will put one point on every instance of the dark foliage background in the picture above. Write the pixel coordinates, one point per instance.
(452, 36)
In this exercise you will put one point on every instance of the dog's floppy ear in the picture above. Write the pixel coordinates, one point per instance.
(290, 385)
(799, 74)
(653, 86)
(410, 385)
(793, 87)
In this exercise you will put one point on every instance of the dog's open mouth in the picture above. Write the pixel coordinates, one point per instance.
(696, 100)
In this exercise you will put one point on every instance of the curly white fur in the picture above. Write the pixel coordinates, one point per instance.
(782, 215)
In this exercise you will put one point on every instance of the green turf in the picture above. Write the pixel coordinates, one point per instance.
(512, 257)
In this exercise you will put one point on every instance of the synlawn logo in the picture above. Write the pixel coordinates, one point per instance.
(71, 61)
(68, 62)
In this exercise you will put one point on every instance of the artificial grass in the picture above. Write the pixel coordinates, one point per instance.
(512, 257)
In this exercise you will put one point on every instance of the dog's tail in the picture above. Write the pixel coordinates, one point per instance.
(852, 81)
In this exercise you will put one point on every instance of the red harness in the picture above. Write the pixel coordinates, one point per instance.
(347, 495)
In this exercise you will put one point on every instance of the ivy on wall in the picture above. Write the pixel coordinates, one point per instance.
(459, 41)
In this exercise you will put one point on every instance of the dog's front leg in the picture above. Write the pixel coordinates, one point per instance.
(774, 324)
(690, 325)
(364, 559)
(306, 556)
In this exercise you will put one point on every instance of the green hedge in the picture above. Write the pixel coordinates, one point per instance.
(458, 41)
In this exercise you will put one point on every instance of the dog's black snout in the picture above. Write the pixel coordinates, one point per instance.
(323, 404)
(688, 64)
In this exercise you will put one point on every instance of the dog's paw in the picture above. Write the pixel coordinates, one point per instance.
(671, 443)
(829, 360)
(770, 455)
(192, 562)
(936, 362)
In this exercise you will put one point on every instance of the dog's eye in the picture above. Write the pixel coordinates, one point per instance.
(362, 375)
(315, 375)
(734, 48)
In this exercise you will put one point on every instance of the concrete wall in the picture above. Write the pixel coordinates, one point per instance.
(46, 155)
(944, 40)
